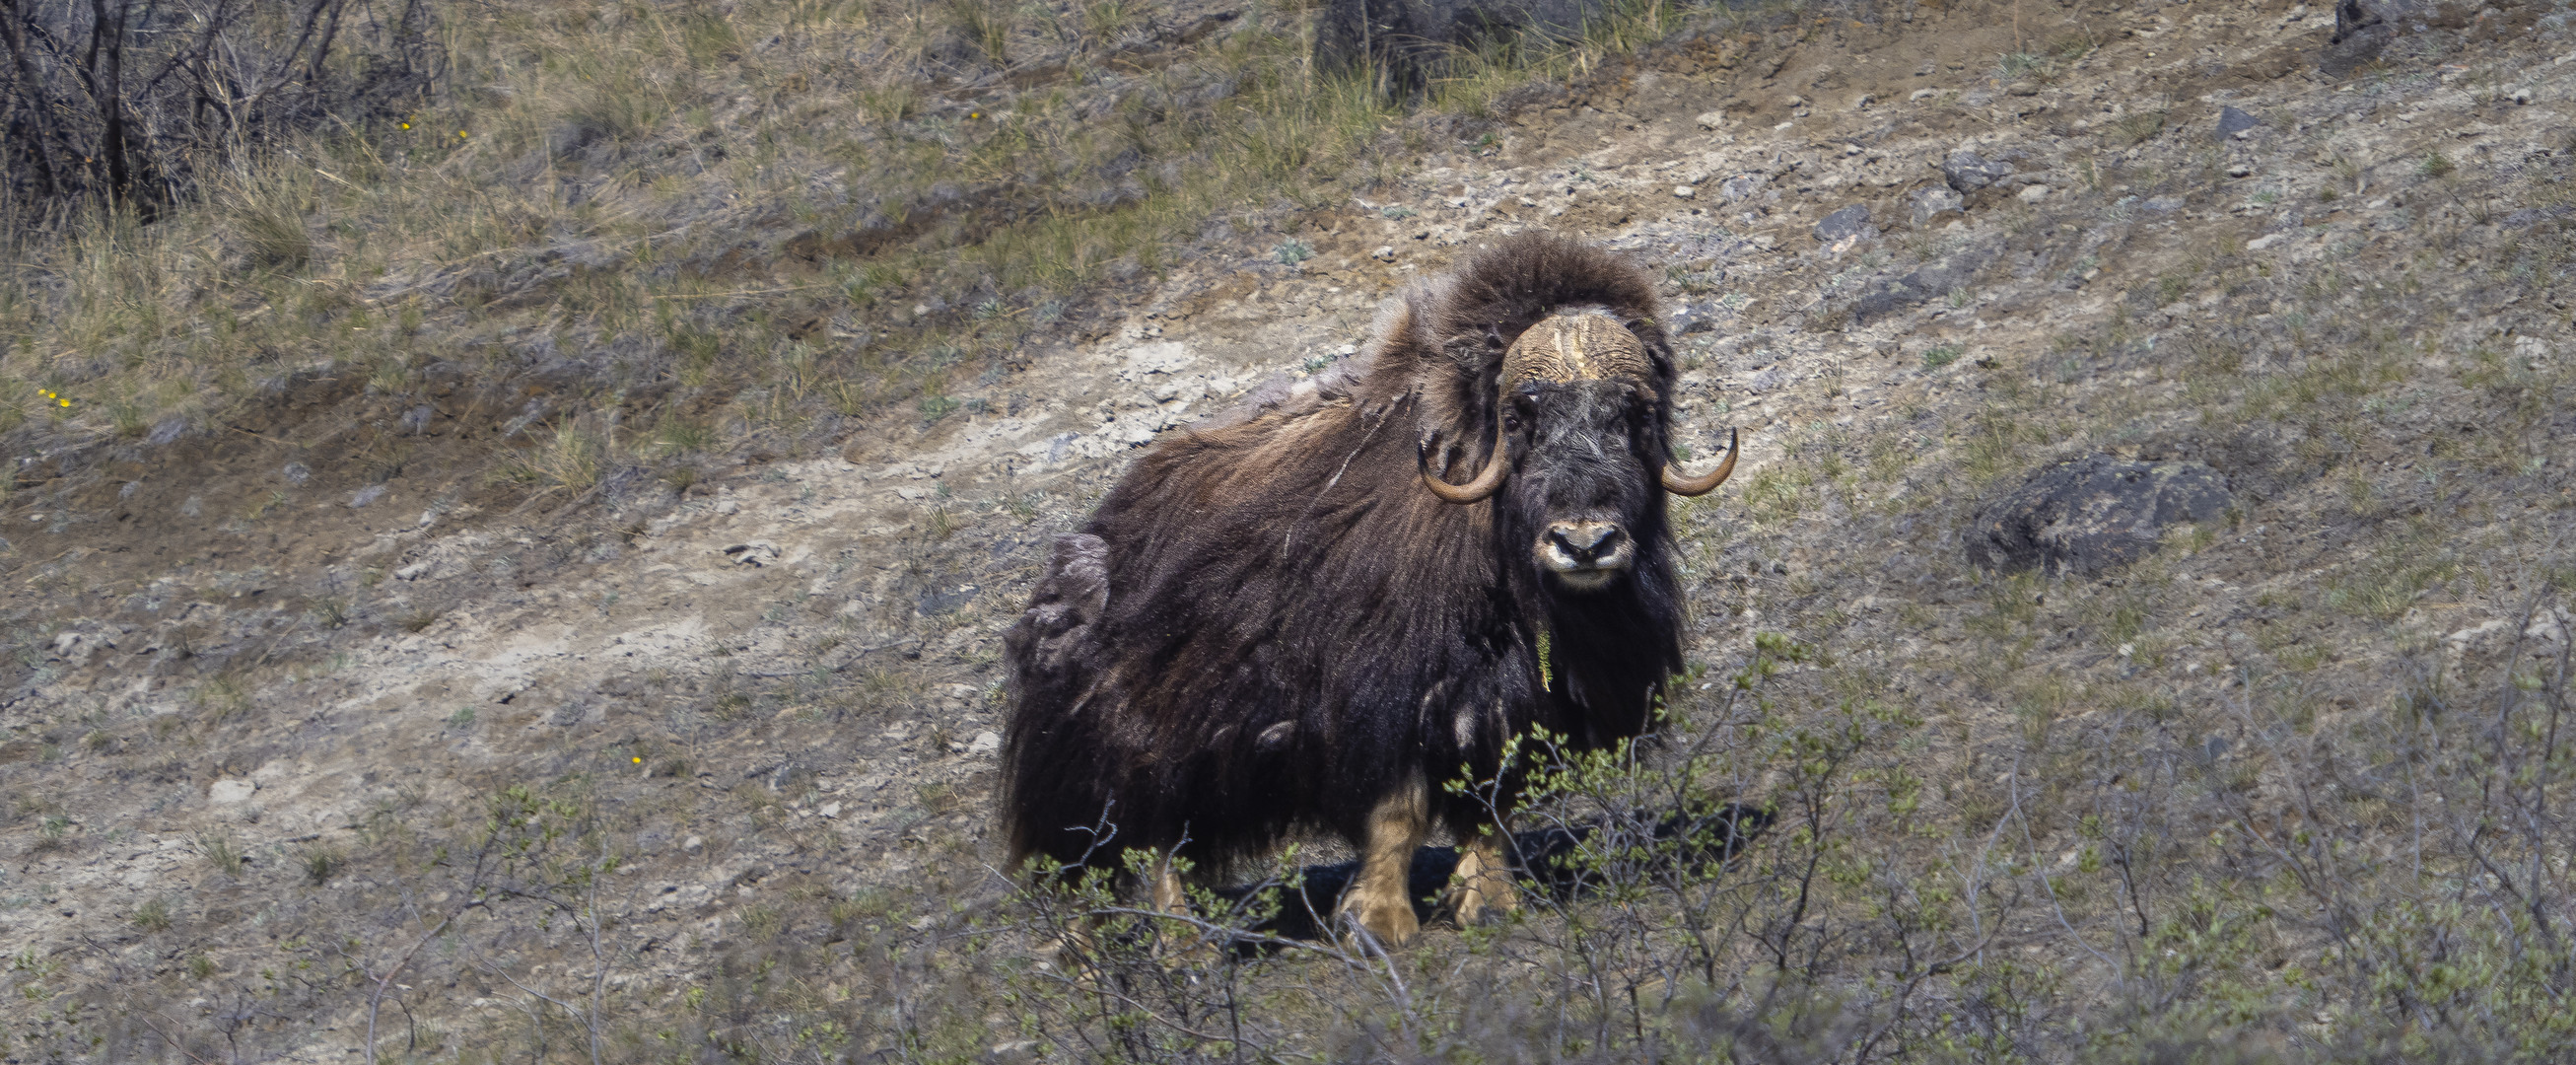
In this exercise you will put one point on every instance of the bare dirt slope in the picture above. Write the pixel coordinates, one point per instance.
(257, 685)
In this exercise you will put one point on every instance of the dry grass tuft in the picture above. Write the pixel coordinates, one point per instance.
(572, 456)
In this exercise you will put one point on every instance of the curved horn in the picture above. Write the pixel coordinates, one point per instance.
(1475, 491)
(1705, 483)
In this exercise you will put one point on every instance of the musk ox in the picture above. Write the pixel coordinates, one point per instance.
(1297, 617)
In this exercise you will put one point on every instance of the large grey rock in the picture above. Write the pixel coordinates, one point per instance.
(1931, 281)
(2232, 122)
(2094, 514)
(1967, 171)
(1851, 221)
(1933, 201)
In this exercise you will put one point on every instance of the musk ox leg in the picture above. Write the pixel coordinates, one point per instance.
(1483, 882)
(1169, 896)
(1181, 944)
(1378, 900)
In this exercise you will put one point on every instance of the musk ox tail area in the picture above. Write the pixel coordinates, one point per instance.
(1049, 650)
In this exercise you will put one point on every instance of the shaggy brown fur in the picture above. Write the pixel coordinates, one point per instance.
(1270, 625)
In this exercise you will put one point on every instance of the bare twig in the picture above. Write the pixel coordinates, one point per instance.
(376, 999)
(175, 1044)
(471, 898)
(2031, 847)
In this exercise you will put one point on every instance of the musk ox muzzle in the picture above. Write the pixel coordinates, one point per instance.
(1586, 553)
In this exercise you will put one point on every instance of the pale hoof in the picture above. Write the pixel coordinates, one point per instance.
(1391, 926)
(1470, 908)
(1482, 889)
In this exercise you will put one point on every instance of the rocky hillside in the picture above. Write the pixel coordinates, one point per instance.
(2156, 489)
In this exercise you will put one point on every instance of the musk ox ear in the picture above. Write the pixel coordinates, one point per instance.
(1051, 634)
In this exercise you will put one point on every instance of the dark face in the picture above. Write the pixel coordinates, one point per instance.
(1582, 488)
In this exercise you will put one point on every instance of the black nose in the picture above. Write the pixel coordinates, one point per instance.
(1585, 541)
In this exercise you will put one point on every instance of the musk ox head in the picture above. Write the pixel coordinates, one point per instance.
(1579, 450)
